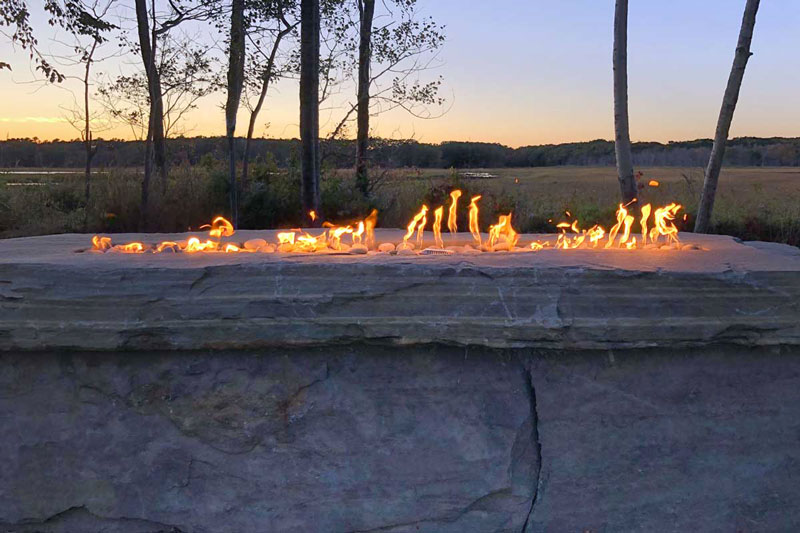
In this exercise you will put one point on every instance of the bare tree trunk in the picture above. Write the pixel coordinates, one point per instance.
(87, 135)
(622, 136)
(148, 171)
(309, 104)
(366, 9)
(143, 27)
(726, 117)
(148, 45)
(235, 83)
(268, 73)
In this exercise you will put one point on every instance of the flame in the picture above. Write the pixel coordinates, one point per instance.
(174, 246)
(622, 214)
(101, 243)
(220, 227)
(286, 237)
(452, 218)
(358, 233)
(627, 231)
(194, 245)
(132, 248)
(312, 215)
(418, 224)
(503, 229)
(437, 226)
(309, 243)
(663, 223)
(654, 183)
(570, 236)
(596, 234)
(473, 219)
(370, 222)
(335, 234)
(646, 209)
(564, 241)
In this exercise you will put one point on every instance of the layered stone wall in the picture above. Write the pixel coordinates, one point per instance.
(585, 391)
(432, 439)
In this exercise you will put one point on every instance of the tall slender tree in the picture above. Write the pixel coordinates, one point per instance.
(622, 135)
(729, 102)
(393, 45)
(236, 57)
(366, 14)
(309, 105)
(265, 65)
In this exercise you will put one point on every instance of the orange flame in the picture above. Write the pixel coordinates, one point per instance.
(473, 220)
(437, 226)
(312, 215)
(646, 209)
(370, 222)
(622, 214)
(220, 227)
(418, 224)
(101, 243)
(174, 246)
(628, 222)
(358, 233)
(654, 183)
(132, 248)
(335, 234)
(287, 237)
(663, 223)
(452, 217)
(503, 229)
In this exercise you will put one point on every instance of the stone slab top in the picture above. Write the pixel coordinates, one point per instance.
(715, 253)
(56, 296)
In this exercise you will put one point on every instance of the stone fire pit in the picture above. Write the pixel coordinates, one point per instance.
(559, 390)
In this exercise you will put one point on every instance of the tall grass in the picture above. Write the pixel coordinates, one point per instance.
(763, 206)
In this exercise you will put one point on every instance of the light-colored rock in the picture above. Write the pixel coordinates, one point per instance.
(255, 244)
(267, 249)
(286, 248)
(386, 247)
(359, 249)
(406, 251)
(405, 245)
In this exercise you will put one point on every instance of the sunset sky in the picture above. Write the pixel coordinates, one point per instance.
(522, 72)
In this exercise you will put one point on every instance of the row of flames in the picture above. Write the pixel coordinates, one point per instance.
(656, 228)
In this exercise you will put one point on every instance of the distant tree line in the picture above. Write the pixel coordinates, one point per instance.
(744, 151)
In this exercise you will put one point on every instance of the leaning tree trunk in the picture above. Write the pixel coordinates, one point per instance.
(267, 78)
(726, 117)
(367, 13)
(309, 104)
(235, 83)
(149, 67)
(622, 135)
(91, 150)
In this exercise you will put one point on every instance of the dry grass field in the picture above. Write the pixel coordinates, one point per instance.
(752, 203)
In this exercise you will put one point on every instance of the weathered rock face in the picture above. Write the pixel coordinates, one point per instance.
(560, 391)
(365, 438)
(340, 439)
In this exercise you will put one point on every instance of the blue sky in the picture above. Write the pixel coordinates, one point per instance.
(531, 72)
